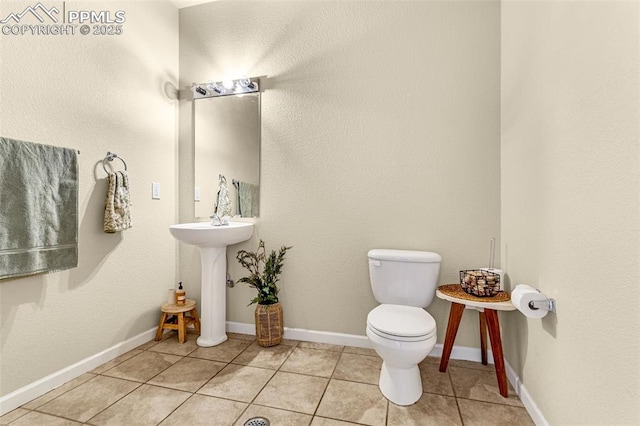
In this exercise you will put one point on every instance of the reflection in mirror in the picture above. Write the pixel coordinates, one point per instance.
(227, 143)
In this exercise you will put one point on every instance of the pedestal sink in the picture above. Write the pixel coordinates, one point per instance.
(212, 242)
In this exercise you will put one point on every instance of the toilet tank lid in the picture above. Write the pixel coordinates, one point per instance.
(404, 256)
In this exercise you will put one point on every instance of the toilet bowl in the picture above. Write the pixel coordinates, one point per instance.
(402, 336)
(399, 329)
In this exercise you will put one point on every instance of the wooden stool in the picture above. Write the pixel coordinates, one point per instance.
(183, 320)
(487, 308)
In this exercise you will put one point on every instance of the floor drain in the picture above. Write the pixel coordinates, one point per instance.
(257, 421)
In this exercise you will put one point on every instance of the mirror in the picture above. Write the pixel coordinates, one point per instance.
(227, 143)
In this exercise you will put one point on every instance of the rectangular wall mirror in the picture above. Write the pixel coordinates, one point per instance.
(227, 143)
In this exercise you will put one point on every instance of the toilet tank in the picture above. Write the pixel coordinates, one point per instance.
(404, 277)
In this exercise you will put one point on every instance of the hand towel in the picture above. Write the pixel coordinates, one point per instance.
(117, 209)
(248, 199)
(38, 208)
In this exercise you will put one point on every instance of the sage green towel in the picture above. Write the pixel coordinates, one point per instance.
(248, 199)
(38, 208)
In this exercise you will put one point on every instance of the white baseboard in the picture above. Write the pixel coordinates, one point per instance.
(306, 335)
(525, 397)
(40, 387)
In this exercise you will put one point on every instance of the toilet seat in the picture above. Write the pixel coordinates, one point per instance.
(401, 323)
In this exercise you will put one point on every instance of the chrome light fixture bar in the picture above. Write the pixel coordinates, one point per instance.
(212, 89)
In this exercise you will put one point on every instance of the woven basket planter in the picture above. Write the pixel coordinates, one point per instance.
(269, 324)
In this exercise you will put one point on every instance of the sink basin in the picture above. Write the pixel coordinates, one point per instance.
(202, 234)
(212, 241)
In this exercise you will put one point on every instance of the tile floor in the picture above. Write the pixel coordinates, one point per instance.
(295, 383)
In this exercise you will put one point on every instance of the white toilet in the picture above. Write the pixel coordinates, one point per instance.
(399, 329)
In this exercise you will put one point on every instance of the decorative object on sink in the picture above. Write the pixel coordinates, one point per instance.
(479, 282)
(223, 200)
(263, 276)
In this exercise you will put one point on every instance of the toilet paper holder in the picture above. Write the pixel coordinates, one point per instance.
(547, 305)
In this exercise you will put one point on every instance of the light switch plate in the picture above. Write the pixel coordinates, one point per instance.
(155, 191)
(196, 195)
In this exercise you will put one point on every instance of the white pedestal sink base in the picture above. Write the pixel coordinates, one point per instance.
(212, 241)
(213, 302)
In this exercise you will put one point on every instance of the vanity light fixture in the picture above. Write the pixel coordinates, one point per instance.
(212, 89)
(246, 83)
(215, 87)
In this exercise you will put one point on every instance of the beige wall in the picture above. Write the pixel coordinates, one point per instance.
(380, 129)
(570, 203)
(96, 94)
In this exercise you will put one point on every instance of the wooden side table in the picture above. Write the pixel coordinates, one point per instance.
(487, 308)
(183, 320)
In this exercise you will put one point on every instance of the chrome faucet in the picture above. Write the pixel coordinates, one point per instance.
(218, 221)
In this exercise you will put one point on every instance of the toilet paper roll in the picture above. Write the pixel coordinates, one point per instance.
(522, 295)
(496, 271)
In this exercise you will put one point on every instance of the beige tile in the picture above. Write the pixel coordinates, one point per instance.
(188, 374)
(470, 364)
(293, 392)
(224, 352)
(433, 360)
(34, 418)
(147, 405)
(143, 367)
(85, 401)
(275, 416)
(313, 362)
(32, 405)
(289, 342)
(323, 421)
(430, 409)
(358, 368)
(237, 382)
(173, 347)
(257, 356)
(202, 410)
(480, 385)
(360, 351)
(13, 415)
(240, 336)
(433, 381)
(118, 360)
(484, 413)
(149, 344)
(322, 346)
(353, 402)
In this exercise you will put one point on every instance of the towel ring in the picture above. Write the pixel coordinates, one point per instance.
(110, 156)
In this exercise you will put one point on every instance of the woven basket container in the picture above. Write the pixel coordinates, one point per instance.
(269, 324)
(480, 283)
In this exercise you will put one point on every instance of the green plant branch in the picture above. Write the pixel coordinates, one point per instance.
(264, 271)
